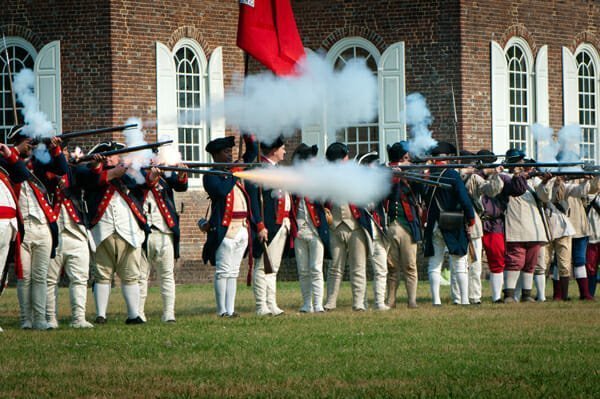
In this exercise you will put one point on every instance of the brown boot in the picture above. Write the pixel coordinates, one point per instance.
(564, 288)
(557, 295)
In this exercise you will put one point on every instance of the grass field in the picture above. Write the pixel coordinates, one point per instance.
(524, 350)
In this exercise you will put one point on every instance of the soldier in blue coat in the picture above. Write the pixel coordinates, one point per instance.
(455, 239)
(404, 228)
(271, 210)
(228, 229)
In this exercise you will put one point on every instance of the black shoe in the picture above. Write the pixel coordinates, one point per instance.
(171, 321)
(137, 320)
(100, 320)
(233, 315)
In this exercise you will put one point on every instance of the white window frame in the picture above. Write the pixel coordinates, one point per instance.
(537, 93)
(203, 81)
(212, 92)
(529, 64)
(595, 59)
(332, 55)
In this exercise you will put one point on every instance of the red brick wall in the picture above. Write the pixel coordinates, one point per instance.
(429, 30)
(83, 31)
(551, 23)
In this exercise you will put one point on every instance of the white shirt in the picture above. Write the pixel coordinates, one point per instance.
(118, 218)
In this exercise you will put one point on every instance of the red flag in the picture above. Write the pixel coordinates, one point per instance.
(267, 31)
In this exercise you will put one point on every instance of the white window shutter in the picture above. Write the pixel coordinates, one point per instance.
(570, 90)
(392, 97)
(216, 92)
(47, 83)
(166, 94)
(314, 134)
(499, 97)
(541, 87)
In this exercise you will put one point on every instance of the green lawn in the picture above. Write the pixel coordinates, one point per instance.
(523, 350)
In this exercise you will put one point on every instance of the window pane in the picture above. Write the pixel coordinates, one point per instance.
(363, 136)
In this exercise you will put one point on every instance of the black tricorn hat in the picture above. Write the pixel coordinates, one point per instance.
(443, 147)
(487, 156)
(267, 147)
(336, 151)
(514, 155)
(368, 158)
(219, 144)
(304, 152)
(397, 151)
(106, 146)
(16, 134)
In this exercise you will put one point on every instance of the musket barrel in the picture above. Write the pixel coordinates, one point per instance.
(72, 135)
(194, 164)
(192, 170)
(126, 150)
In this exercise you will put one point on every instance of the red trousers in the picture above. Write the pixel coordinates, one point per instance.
(592, 259)
(522, 256)
(493, 243)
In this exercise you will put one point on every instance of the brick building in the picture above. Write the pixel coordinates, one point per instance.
(507, 64)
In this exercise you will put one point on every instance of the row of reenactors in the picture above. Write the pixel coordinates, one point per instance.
(62, 215)
(527, 223)
(66, 216)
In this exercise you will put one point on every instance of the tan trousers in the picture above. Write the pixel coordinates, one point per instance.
(36, 249)
(351, 246)
(115, 255)
(402, 257)
(561, 247)
(265, 285)
(160, 254)
(73, 254)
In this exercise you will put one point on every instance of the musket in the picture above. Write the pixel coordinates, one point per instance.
(72, 135)
(460, 157)
(125, 150)
(568, 173)
(435, 183)
(194, 164)
(191, 170)
(492, 165)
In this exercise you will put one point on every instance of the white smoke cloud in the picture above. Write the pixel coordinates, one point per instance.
(272, 105)
(547, 146)
(138, 159)
(339, 182)
(36, 122)
(564, 147)
(418, 119)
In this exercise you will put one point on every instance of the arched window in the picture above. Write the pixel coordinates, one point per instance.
(519, 103)
(190, 68)
(363, 137)
(21, 55)
(587, 79)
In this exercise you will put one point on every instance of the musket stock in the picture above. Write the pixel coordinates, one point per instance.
(193, 164)
(192, 170)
